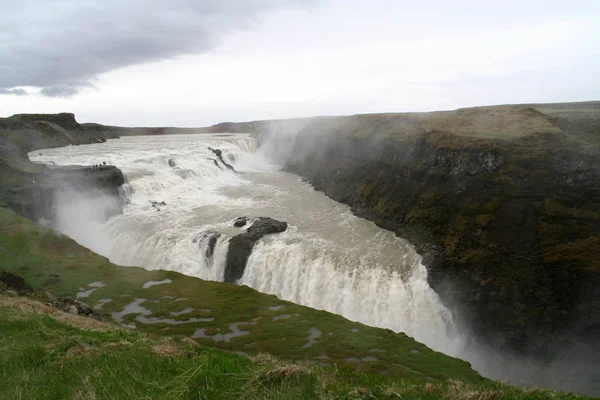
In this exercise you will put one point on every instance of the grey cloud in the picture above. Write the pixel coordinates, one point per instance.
(14, 92)
(61, 46)
(59, 91)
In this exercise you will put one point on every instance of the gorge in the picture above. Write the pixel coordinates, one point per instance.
(490, 223)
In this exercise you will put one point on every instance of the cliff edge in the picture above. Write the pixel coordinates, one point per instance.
(30, 189)
(502, 202)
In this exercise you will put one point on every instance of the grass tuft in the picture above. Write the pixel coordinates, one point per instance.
(460, 391)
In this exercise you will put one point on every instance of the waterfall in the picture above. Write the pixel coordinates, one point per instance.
(181, 204)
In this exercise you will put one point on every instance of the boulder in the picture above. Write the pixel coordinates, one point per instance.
(15, 282)
(240, 246)
(171, 163)
(240, 221)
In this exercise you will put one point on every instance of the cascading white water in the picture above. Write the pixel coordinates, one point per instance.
(327, 259)
(398, 300)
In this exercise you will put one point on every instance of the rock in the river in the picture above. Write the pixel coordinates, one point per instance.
(217, 152)
(219, 155)
(207, 241)
(157, 204)
(240, 221)
(172, 163)
(240, 246)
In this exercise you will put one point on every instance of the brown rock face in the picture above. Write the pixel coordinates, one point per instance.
(508, 223)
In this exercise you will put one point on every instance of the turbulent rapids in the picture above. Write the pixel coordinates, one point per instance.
(181, 205)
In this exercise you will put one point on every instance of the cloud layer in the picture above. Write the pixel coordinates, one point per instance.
(62, 46)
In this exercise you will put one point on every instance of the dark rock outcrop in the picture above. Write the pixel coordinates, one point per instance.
(207, 241)
(240, 221)
(31, 189)
(157, 204)
(219, 154)
(240, 246)
(76, 307)
(13, 285)
(14, 282)
(64, 120)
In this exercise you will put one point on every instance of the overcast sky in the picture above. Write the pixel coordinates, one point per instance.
(195, 63)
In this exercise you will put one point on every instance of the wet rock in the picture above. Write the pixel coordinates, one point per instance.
(216, 152)
(15, 282)
(240, 221)
(157, 204)
(240, 246)
(171, 163)
(219, 155)
(207, 241)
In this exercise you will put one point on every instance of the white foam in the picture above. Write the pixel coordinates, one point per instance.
(327, 259)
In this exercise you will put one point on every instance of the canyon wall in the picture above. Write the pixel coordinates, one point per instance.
(502, 202)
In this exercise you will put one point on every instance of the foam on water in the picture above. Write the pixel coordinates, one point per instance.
(327, 259)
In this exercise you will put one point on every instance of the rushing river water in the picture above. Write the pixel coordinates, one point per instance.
(327, 259)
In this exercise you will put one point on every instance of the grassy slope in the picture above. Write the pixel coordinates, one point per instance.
(54, 355)
(35, 253)
(48, 354)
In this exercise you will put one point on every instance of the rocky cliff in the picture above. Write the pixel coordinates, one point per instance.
(31, 189)
(502, 202)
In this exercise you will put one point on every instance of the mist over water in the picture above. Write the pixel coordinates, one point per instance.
(327, 259)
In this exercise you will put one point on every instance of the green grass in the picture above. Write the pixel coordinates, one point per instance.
(46, 354)
(37, 253)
